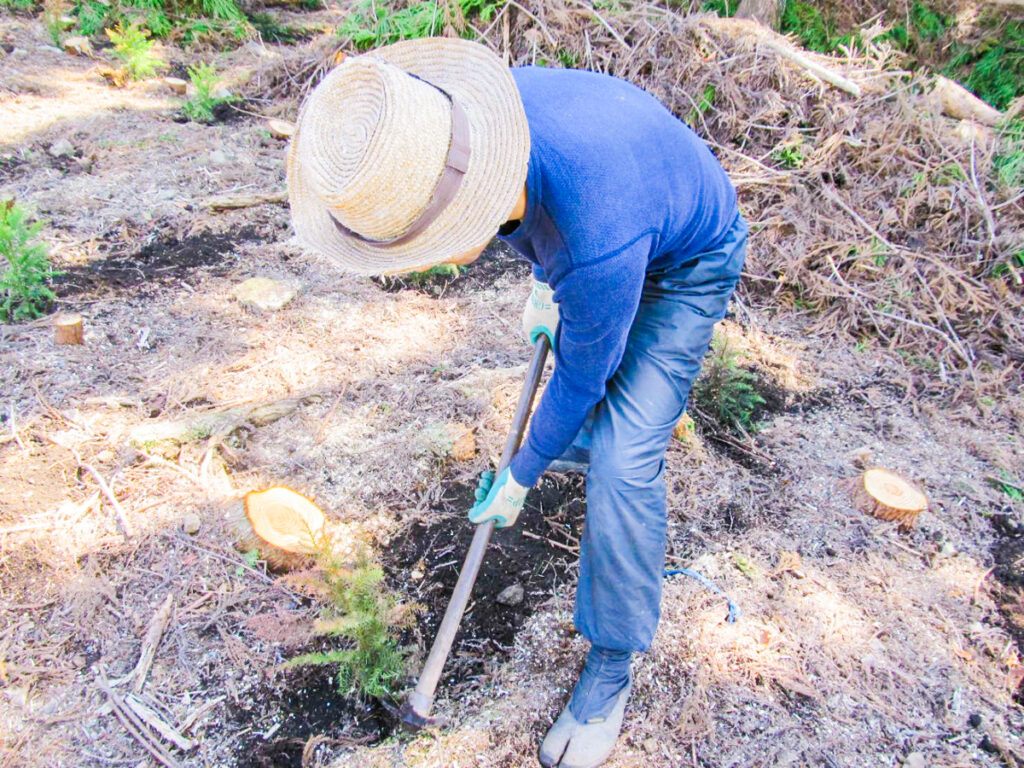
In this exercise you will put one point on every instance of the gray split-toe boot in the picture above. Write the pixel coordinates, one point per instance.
(585, 733)
(571, 744)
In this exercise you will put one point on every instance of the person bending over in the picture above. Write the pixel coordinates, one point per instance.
(417, 154)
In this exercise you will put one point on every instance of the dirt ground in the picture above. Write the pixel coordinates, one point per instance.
(858, 644)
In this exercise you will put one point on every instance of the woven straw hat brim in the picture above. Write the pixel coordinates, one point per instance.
(500, 150)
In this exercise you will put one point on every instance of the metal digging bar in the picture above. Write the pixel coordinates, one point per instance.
(415, 712)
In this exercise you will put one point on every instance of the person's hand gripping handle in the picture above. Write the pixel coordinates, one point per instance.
(499, 500)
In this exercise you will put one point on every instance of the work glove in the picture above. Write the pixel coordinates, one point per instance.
(540, 315)
(500, 500)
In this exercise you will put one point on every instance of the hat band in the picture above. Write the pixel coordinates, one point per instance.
(455, 167)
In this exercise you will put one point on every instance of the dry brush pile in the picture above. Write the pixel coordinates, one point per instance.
(874, 214)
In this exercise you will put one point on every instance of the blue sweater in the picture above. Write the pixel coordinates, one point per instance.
(616, 187)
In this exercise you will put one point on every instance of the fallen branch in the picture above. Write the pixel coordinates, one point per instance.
(954, 100)
(228, 202)
(778, 43)
(170, 434)
(154, 634)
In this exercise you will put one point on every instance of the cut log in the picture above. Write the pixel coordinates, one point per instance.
(280, 129)
(177, 85)
(166, 437)
(885, 495)
(738, 28)
(285, 519)
(765, 11)
(246, 541)
(68, 329)
(227, 202)
(953, 99)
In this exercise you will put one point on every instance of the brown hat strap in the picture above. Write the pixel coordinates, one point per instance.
(456, 165)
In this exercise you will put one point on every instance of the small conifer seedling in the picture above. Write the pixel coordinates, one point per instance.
(24, 266)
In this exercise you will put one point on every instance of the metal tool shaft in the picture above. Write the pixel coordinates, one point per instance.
(416, 710)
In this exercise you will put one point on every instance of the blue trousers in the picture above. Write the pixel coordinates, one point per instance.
(622, 555)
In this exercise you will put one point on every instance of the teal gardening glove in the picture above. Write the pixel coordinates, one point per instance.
(540, 315)
(499, 500)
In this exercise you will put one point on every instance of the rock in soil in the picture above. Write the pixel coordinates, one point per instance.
(190, 523)
(512, 595)
(62, 148)
(77, 46)
(264, 294)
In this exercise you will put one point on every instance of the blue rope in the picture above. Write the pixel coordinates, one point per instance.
(734, 610)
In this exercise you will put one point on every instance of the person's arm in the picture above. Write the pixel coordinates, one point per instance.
(597, 304)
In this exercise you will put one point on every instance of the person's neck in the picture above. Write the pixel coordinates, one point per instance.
(516, 216)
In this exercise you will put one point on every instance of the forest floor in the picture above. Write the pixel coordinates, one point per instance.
(858, 644)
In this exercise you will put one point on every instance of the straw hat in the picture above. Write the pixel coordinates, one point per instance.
(408, 155)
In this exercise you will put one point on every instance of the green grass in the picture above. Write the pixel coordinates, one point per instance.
(1003, 268)
(367, 616)
(17, 5)
(374, 24)
(134, 49)
(188, 20)
(725, 391)
(1009, 161)
(790, 155)
(273, 31)
(721, 7)
(813, 28)
(994, 69)
(703, 105)
(24, 290)
(438, 270)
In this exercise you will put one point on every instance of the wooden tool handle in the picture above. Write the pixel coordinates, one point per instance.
(417, 707)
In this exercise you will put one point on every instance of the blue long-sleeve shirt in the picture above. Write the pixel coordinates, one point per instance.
(616, 187)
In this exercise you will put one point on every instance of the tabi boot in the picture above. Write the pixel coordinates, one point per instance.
(585, 733)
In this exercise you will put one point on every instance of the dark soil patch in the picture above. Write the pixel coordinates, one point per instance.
(1008, 553)
(495, 262)
(167, 258)
(225, 112)
(10, 166)
(426, 557)
(280, 719)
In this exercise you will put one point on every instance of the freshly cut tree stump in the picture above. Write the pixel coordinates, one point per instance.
(285, 519)
(68, 329)
(280, 129)
(885, 495)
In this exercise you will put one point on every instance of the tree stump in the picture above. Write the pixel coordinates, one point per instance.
(285, 519)
(280, 129)
(765, 11)
(885, 495)
(68, 329)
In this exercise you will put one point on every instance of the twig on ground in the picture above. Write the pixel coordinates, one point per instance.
(157, 723)
(552, 542)
(132, 724)
(122, 518)
(154, 633)
(195, 715)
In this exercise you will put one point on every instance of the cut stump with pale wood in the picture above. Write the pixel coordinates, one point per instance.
(69, 329)
(887, 496)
